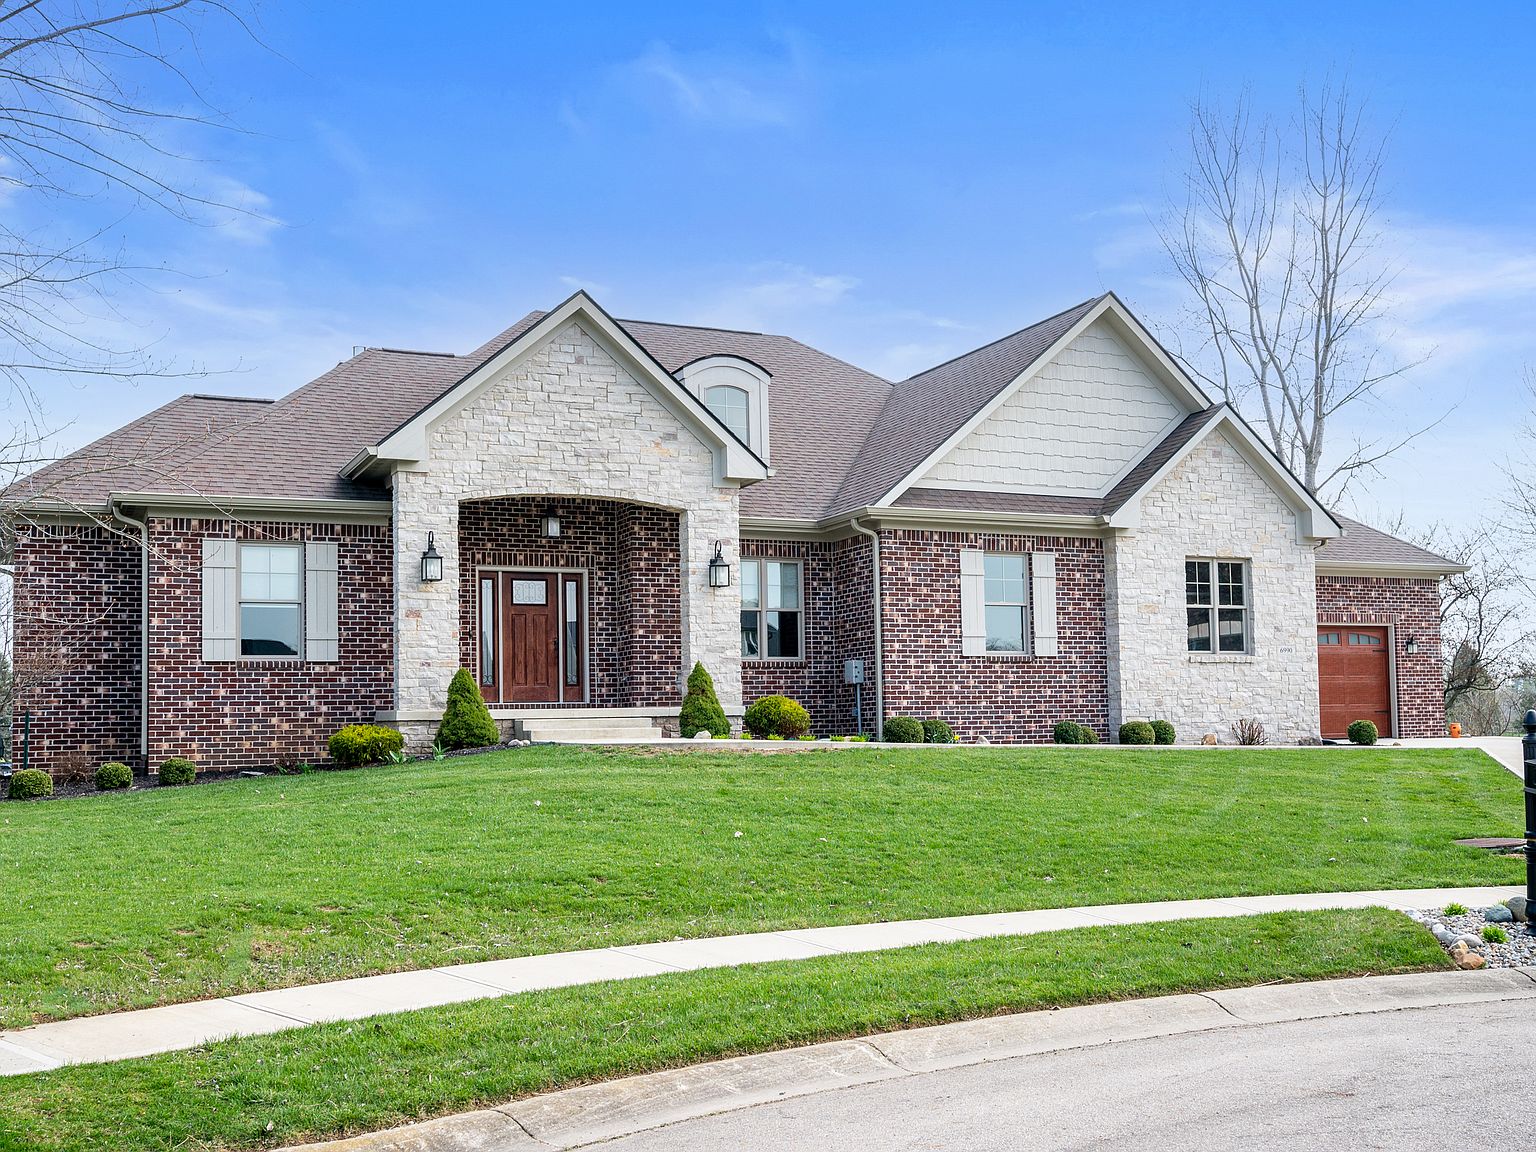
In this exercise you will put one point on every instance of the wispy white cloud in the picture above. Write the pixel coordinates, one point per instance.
(592, 288)
(723, 87)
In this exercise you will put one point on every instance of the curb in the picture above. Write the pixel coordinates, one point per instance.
(577, 1117)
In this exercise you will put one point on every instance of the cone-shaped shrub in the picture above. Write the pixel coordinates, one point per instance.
(701, 707)
(467, 721)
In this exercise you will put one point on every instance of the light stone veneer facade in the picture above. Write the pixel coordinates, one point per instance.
(1213, 504)
(566, 420)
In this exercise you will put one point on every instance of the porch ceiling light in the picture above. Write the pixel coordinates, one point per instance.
(431, 561)
(1412, 647)
(549, 526)
(719, 570)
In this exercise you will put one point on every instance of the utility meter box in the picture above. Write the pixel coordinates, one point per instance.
(853, 671)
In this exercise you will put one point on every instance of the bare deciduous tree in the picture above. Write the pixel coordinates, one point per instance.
(96, 98)
(1276, 234)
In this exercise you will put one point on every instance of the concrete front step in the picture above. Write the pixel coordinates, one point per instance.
(571, 734)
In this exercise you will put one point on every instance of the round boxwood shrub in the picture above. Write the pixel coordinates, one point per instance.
(1067, 732)
(1137, 732)
(467, 721)
(1088, 735)
(30, 783)
(701, 707)
(1163, 732)
(779, 716)
(112, 776)
(359, 744)
(1362, 732)
(902, 730)
(178, 771)
(938, 732)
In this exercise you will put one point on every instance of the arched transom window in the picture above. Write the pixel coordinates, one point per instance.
(734, 407)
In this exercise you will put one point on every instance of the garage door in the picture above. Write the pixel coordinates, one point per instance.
(1354, 678)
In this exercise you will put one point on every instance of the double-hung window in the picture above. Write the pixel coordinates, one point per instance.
(771, 613)
(1217, 605)
(271, 600)
(1007, 601)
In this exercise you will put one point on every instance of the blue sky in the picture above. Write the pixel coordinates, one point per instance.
(893, 183)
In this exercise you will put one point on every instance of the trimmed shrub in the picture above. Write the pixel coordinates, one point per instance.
(467, 721)
(1137, 732)
(938, 732)
(902, 730)
(359, 744)
(1362, 732)
(1089, 736)
(1067, 732)
(30, 783)
(701, 707)
(112, 776)
(1163, 732)
(178, 771)
(779, 716)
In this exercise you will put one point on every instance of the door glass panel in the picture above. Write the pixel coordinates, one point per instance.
(572, 635)
(530, 591)
(488, 631)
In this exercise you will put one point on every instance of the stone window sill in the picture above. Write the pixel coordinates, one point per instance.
(1221, 657)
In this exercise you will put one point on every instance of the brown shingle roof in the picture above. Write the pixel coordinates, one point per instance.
(1371, 547)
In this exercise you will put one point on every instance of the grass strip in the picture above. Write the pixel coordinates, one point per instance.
(335, 1079)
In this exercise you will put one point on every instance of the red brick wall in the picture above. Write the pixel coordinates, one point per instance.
(814, 678)
(1004, 698)
(76, 646)
(253, 713)
(631, 555)
(1413, 607)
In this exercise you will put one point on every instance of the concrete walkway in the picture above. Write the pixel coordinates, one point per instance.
(123, 1035)
(1175, 1071)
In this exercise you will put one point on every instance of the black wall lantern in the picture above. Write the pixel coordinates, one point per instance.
(549, 526)
(719, 570)
(431, 562)
(1412, 647)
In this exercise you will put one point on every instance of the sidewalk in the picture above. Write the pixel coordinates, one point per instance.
(123, 1035)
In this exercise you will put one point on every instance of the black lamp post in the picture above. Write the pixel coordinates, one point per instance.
(431, 561)
(719, 570)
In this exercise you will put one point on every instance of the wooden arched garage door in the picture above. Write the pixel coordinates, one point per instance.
(1354, 678)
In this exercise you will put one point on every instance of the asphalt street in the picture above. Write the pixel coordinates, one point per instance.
(1456, 1076)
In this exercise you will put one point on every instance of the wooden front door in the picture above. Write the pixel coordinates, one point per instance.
(1354, 678)
(530, 637)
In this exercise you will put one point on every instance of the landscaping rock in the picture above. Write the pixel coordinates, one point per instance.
(1498, 914)
(1444, 935)
(1461, 936)
(1209, 739)
(1470, 961)
(1518, 909)
(703, 734)
(982, 740)
(1469, 940)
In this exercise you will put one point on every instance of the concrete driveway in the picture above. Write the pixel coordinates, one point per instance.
(1505, 749)
(1419, 1078)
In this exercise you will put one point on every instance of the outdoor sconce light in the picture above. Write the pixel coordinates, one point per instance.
(431, 562)
(719, 570)
(549, 526)
(1412, 647)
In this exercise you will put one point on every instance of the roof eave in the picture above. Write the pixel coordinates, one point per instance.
(1426, 571)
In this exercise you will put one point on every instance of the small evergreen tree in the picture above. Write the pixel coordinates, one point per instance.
(701, 707)
(467, 721)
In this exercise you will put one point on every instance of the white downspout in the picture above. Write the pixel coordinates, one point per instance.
(143, 527)
(874, 538)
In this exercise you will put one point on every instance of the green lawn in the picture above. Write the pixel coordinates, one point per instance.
(338, 1078)
(128, 900)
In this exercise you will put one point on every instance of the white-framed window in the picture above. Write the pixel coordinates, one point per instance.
(271, 619)
(1007, 601)
(1217, 605)
(734, 407)
(772, 613)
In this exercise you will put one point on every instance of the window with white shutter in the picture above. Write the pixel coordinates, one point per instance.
(322, 634)
(973, 601)
(220, 633)
(270, 600)
(1042, 573)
